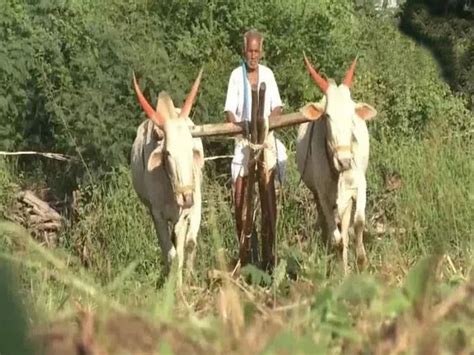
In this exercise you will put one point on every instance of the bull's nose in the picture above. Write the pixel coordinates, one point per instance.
(345, 164)
(188, 200)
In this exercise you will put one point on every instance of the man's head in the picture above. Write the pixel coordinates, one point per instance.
(253, 48)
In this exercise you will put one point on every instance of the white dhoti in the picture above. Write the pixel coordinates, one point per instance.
(274, 151)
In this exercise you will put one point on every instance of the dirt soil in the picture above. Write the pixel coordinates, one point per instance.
(115, 334)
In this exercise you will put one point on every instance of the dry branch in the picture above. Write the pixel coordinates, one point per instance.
(56, 156)
(218, 157)
(463, 292)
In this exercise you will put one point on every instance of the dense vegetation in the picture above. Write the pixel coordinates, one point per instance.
(446, 28)
(65, 86)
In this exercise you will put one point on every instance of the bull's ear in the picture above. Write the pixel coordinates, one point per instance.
(155, 158)
(365, 111)
(198, 158)
(312, 111)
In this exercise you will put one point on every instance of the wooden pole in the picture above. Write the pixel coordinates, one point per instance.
(266, 186)
(247, 209)
(233, 129)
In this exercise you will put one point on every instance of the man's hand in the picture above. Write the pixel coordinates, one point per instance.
(277, 111)
(230, 117)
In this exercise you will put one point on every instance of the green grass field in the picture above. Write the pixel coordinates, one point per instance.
(103, 286)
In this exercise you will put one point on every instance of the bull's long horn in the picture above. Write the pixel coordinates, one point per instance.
(350, 73)
(186, 109)
(318, 79)
(152, 114)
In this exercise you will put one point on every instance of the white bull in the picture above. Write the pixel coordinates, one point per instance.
(166, 164)
(332, 155)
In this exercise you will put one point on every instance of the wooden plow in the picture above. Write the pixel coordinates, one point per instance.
(257, 172)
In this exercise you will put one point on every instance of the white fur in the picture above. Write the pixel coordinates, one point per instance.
(334, 191)
(155, 190)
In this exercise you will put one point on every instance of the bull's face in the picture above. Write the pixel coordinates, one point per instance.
(182, 159)
(181, 155)
(340, 113)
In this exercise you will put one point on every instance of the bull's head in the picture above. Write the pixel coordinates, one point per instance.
(181, 154)
(340, 113)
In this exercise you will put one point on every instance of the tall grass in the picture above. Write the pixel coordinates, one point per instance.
(313, 314)
(434, 205)
(110, 261)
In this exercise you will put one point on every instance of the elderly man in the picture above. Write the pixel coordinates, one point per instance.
(238, 108)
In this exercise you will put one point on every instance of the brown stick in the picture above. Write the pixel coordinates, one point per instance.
(266, 190)
(268, 199)
(247, 209)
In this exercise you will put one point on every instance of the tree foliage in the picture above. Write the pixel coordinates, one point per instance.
(66, 67)
(446, 28)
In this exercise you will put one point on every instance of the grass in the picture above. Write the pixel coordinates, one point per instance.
(419, 281)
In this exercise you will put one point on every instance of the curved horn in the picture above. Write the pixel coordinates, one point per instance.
(152, 114)
(188, 103)
(350, 73)
(318, 79)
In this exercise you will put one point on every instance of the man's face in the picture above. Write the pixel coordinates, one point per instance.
(253, 53)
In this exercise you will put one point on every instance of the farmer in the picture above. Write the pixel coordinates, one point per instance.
(238, 108)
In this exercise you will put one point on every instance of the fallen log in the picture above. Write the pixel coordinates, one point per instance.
(38, 216)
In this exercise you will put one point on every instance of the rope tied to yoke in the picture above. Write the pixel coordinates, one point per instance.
(256, 148)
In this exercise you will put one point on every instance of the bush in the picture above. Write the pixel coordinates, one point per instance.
(66, 82)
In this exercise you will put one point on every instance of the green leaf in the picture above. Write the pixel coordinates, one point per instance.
(289, 342)
(417, 281)
(279, 274)
(358, 289)
(397, 304)
(256, 276)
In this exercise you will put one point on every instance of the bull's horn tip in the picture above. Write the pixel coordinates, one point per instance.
(200, 74)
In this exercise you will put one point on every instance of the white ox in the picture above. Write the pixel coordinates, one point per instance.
(166, 163)
(332, 155)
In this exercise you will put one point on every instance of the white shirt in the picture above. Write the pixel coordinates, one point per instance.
(235, 104)
(235, 93)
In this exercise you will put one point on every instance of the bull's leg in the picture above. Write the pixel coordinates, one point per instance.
(191, 237)
(180, 231)
(345, 222)
(167, 248)
(331, 223)
(359, 223)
